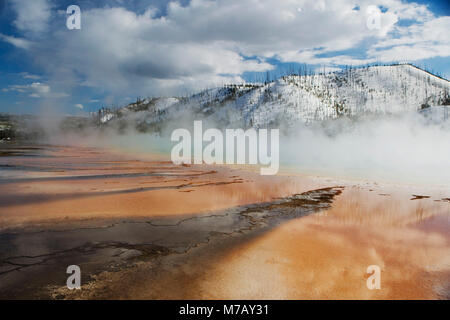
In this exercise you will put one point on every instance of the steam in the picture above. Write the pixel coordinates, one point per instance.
(379, 148)
(403, 148)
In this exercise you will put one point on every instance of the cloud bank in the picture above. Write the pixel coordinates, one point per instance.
(176, 49)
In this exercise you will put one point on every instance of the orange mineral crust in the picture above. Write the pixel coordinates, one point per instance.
(84, 183)
(325, 256)
(143, 228)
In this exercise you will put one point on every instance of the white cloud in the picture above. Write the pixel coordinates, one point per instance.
(18, 42)
(424, 41)
(79, 106)
(27, 75)
(35, 90)
(32, 16)
(204, 43)
(119, 50)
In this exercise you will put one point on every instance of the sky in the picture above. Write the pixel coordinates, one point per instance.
(147, 48)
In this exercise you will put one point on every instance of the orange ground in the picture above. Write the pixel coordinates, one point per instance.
(325, 256)
(322, 256)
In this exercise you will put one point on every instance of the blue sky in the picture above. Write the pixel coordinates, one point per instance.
(145, 48)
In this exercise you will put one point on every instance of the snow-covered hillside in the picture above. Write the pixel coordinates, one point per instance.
(292, 99)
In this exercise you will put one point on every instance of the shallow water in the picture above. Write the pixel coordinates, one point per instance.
(144, 228)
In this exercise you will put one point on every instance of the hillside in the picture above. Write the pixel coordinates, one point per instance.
(292, 99)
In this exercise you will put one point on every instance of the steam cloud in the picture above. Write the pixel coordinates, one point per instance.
(406, 148)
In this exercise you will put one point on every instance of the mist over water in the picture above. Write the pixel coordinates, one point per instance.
(403, 148)
(406, 148)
